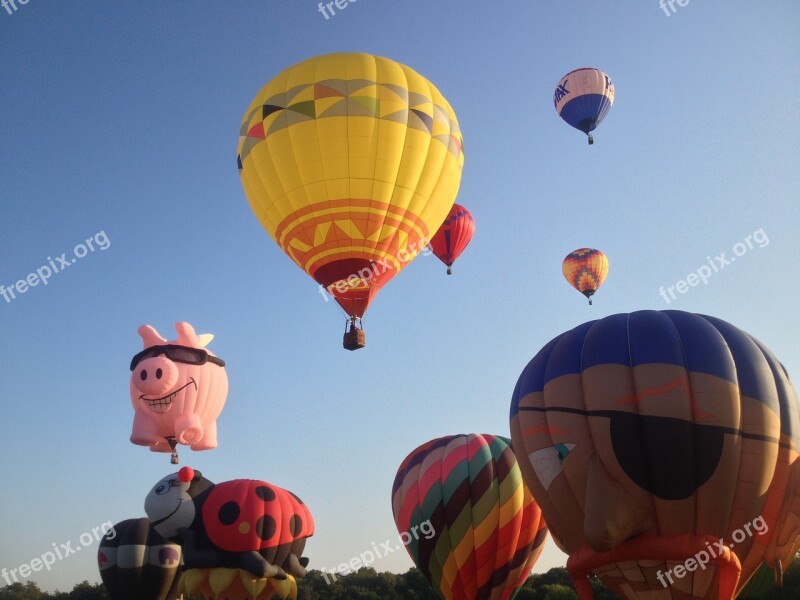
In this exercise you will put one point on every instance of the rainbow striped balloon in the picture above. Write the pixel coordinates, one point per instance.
(470, 522)
(585, 269)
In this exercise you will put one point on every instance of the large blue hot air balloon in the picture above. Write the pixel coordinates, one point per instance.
(583, 98)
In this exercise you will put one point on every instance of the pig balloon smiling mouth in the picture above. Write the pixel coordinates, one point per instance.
(166, 412)
(163, 404)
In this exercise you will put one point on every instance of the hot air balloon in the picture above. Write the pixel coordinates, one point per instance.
(585, 269)
(178, 389)
(486, 531)
(235, 584)
(350, 162)
(453, 236)
(662, 448)
(136, 563)
(244, 523)
(583, 98)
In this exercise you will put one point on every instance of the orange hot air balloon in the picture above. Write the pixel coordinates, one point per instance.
(481, 529)
(663, 449)
(453, 236)
(350, 162)
(585, 269)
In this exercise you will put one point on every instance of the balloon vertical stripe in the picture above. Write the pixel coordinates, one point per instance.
(488, 530)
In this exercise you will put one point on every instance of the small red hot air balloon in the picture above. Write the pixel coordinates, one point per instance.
(453, 236)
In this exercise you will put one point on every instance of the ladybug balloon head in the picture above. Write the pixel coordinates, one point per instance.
(170, 506)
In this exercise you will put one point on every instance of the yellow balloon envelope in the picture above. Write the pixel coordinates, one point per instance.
(235, 584)
(350, 162)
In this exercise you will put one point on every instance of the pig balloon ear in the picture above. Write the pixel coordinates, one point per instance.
(205, 339)
(150, 336)
(186, 335)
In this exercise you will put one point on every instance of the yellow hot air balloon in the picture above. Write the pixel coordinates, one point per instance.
(351, 162)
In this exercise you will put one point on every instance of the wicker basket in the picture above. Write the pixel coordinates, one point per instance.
(355, 339)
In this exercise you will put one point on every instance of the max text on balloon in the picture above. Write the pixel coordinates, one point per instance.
(561, 91)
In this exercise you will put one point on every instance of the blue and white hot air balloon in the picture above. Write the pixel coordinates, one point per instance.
(583, 98)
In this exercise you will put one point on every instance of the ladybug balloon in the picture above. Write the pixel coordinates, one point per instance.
(244, 523)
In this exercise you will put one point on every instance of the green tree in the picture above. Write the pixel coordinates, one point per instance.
(86, 591)
(558, 591)
(19, 591)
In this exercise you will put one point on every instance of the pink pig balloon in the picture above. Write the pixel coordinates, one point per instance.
(178, 389)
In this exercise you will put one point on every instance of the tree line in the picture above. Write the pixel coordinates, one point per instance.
(368, 584)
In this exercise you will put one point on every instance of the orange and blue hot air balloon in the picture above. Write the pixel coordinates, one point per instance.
(478, 531)
(453, 236)
(583, 98)
(585, 269)
(663, 449)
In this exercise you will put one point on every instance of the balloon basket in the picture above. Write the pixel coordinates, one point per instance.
(354, 339)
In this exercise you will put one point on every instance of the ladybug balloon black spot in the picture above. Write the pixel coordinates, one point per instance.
(266, 527)
(265, 493)
(296, 525)
(229, 513)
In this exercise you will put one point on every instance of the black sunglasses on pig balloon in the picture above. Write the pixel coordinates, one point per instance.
(176, 353)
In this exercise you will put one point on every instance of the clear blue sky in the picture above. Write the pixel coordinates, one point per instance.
(123, 119)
